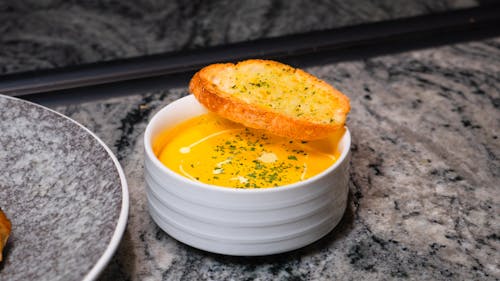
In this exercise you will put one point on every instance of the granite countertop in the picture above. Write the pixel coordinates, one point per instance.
(424, 199)
(51, 33)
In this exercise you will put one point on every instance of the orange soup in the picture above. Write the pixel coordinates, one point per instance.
(216, 151)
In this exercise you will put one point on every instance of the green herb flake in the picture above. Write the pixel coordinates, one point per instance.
(273, 177)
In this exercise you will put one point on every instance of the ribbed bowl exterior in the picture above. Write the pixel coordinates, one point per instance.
(243, 222)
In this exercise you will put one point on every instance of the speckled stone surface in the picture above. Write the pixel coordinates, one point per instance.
(424, 198)
(60, 189)
(43, 34)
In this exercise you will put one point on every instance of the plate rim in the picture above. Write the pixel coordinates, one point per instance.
(121, 224)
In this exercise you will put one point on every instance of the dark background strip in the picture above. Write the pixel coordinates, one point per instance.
(300, 50)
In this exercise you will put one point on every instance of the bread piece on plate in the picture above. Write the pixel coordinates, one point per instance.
(264, 94)
(5, 228)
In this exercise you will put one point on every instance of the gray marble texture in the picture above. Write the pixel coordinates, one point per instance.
(60, 189)
(45, 34)
(424, 199)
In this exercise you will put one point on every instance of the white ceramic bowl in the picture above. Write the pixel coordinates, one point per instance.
(243, 222)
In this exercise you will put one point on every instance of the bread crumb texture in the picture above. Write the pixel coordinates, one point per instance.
(269, 95)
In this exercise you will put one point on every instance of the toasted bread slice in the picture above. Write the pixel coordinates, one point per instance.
(5, 228)
(264, 94)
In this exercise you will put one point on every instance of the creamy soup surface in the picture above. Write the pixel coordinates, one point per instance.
(216, 151)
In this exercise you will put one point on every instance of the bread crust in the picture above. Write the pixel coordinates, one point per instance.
(5, 228)
(252, 115)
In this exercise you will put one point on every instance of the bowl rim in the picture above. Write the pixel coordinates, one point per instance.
(346, 138)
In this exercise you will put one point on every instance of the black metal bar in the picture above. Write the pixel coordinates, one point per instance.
(286, 47)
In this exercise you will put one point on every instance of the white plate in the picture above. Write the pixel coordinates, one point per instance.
(64, 192)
